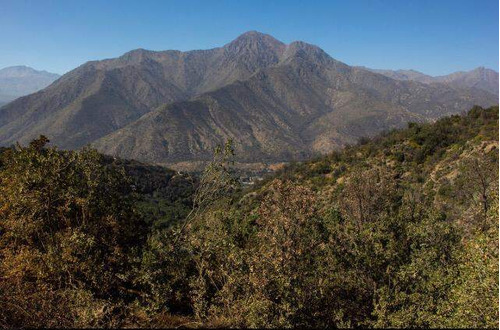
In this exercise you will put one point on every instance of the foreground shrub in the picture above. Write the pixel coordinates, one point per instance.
(68, 232)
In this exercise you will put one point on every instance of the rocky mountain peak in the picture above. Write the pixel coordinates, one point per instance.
(255, 42)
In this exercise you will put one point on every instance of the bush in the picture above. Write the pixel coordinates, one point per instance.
(68, 232)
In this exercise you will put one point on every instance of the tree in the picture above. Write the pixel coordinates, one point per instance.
(479, 181)
(215, 183)
(368, 193)
(68, 232)
(183, 267)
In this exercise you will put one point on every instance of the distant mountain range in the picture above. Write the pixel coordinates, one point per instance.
(277, 102)
(16, 81)
(481, 78)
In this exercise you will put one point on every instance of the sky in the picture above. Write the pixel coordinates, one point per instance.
(436, 37)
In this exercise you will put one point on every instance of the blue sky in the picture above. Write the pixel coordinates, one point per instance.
(435, 37)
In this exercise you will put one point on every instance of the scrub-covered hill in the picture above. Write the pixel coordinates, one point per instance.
(397, 231)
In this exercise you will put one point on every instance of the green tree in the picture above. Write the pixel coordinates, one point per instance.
(68, 232)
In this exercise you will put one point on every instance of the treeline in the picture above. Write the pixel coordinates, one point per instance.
(397, 231)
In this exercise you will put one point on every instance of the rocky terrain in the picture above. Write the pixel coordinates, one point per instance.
(277, 102)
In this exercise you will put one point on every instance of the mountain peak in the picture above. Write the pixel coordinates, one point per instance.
(300, 49)
(256, 41)
(23, 71)
(17, 70)
(484, 69)
(20, 80)
(136, 54)
(254, 35)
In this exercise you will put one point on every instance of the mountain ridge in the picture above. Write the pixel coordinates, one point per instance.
(251, 138)
(21, 80)
(480, 77)
(277, 101)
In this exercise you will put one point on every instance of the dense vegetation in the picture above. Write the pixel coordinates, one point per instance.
(397, 231)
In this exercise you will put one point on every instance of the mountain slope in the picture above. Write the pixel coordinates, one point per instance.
(16, 81)
(306, 104)
(480, 78)
(102, 96)
(277, 102)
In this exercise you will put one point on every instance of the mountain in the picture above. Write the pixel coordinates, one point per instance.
(308, 103)
(277, 102)
(16, 81)
(100, 97)
(481, 78)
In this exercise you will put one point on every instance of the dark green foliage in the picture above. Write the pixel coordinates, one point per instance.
(164, 197)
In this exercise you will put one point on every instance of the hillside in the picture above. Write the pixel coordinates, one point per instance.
(17, 81)
(277, 102)
(413, 219)
(396, 231)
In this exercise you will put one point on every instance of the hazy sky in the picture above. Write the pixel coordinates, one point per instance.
(435, 37)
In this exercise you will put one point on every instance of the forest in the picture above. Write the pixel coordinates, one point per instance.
(399, 230)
